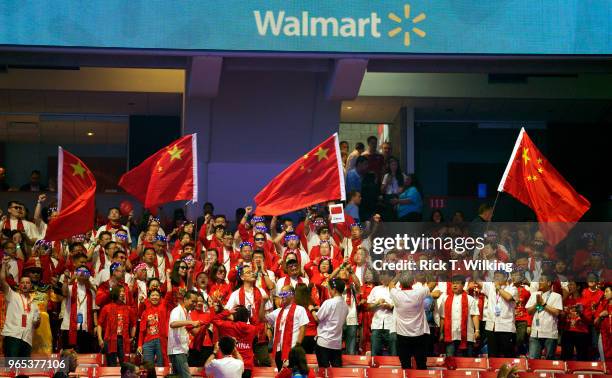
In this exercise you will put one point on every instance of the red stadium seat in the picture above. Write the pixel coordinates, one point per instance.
(356, 361)
(587, 367)
(83, 372)
(384, 373)
(545, 366)
(468, 363)
(263, 372)
(577, 375)
(162, 371)
(311, 360)
(460, 374)
(386, 361)
(197, 372)
(535, 375)
(345, 372)
(496, 363)
(108, 372)
(411, 373)
(35, 373)
(6, 373)
(487, 374)
(436, 363)
(90, 359)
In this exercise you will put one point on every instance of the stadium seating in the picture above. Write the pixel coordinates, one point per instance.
(35, 373)
(496, 363)
(436, 363)
(108, 372)
(460, 374)
(535, 375)
(264, 372)
(90, 359)
(83, 372)
(384, 373)
(197, 372)
(468, 363)
(586, 367)
(386, 361)
(311, 360)
(345, 372)
(162, 371)
(546, 366)
(410, 373)
(356, 361)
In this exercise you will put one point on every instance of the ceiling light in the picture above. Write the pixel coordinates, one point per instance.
(90, 133)
(349, 107)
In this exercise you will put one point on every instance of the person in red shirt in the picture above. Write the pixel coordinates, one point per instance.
(603, 322)
(297, 366)
(219, 289)
(242, 331)
(522, 319)
(591, 296)
(116, 327)
(117, 279)
(153, 329)
(201, 345)
(575, 325)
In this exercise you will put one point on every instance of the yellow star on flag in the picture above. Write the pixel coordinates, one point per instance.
(322, 153)
(175, 153)
(539, 161)
(540, 170)
(305, 156)
(535, 178)
(525, 155)
(78, 169)
(528, 178)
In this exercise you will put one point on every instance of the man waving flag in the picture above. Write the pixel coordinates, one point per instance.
(317, 176)
(531, 179)
(171, 174)
(76, 198)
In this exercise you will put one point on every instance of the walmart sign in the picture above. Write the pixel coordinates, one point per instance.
(344, 26)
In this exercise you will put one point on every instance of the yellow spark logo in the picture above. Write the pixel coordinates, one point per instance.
(396, 31)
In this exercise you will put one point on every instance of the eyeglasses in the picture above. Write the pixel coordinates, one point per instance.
(260, 239)
(182, 267)
(18, 207)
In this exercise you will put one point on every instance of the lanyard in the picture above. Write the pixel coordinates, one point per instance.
(25, 304)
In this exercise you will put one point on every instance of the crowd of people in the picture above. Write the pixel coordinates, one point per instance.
(268, 290)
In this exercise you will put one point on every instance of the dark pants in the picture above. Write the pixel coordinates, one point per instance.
(180, 366)
(199, 357)
(115, 358)
(14, 347)
(577, 340)
(328, 357)
(278, 360)
(261, 355)
(452, 349)
(246, 374)
(521, 338)
(309, 343)
(412, 346)
(86, 342)
(500, 344)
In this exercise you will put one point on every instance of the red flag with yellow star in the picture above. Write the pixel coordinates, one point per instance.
(531, 179)
(315, 177)
(171, 174)
(76, 198)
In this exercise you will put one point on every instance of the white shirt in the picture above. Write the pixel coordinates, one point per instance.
(178, 338)
(392, 184)
(331, 314)
(258, 280)
(410, 313)
(30, 228)
(81, 306)
(226, 367)
(456, 316)
(300, 318)
(97, 261)
(504, 321)
(249, 301)
(383, 318)
(281, 282)
(104, 275)
(14, 315)
(124, 228)
(360, 273)
(544, 325)
(351, 318)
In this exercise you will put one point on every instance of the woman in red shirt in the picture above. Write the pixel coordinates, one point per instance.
(575, 325)
(201, 345)
(153, 333)
(604, 322)
(118, 321)
(218, 288)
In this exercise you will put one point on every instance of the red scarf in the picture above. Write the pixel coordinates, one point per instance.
(110, 225)
(288, 280)
(7, 225)
(287, 334)
(111, 326)
(101, 258)
(448, 321)
(261, 336)
(72, 332)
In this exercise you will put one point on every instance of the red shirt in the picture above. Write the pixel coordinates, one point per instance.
(117, 320)
(591, 300)
(572, 320)
(243, 333)
(520, 312)
(153, 324)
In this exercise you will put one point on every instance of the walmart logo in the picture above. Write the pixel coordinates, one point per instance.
(397, 30)
(279, 23)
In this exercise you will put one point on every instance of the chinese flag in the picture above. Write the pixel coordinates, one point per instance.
(171, 174)
(76, 198)
(315, 177)
(531, 179)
